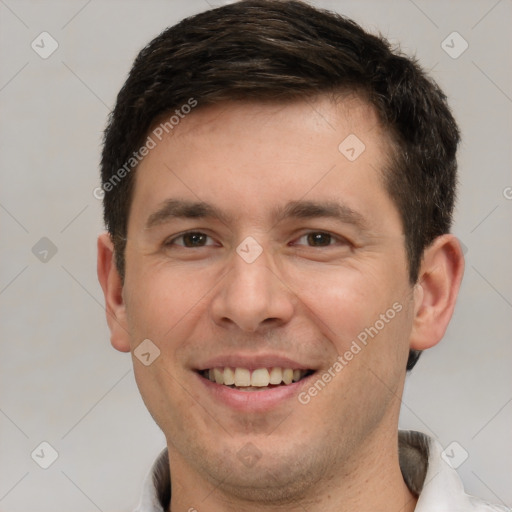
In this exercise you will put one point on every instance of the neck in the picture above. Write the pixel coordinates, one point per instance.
(371, 481)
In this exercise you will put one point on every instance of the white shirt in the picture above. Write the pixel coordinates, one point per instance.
(424, 470)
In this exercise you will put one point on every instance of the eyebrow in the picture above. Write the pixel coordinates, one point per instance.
(315, 209)
(184, 209)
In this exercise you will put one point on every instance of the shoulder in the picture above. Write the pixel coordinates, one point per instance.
(428, 474)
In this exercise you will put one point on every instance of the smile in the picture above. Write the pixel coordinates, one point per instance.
(244, 379)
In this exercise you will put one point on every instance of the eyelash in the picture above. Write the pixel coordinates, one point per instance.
(171, 242)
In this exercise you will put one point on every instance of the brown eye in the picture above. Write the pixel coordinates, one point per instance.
(319, 239)
(194, 239)
(190, 239)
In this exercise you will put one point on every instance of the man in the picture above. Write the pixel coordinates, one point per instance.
(279, 189)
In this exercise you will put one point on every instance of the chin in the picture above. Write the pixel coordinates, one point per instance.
(270, 476)
(276, 486)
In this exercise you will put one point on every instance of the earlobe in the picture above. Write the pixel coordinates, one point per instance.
(436, 292)
(112, 287)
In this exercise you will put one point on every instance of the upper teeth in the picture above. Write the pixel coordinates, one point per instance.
(242, 377)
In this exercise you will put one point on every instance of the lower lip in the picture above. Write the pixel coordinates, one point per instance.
(254, 401)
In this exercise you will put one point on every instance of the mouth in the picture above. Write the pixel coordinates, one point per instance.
(260, 379)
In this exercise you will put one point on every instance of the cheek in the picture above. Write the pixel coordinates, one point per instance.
(164, 300)
(344, 301)
(178, 412)
(364, 314)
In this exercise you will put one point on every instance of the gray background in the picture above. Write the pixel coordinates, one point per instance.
(60, 380)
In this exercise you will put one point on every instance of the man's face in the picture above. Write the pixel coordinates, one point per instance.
(298, 258)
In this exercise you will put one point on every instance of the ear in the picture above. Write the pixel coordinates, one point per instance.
(436, 291)
(112, 287)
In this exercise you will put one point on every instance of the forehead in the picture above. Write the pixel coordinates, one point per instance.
(265, 151)
(270, 133)
(317, 112)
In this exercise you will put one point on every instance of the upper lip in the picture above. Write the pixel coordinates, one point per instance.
(252, 362)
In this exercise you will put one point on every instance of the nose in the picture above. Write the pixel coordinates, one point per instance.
(253, 296)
